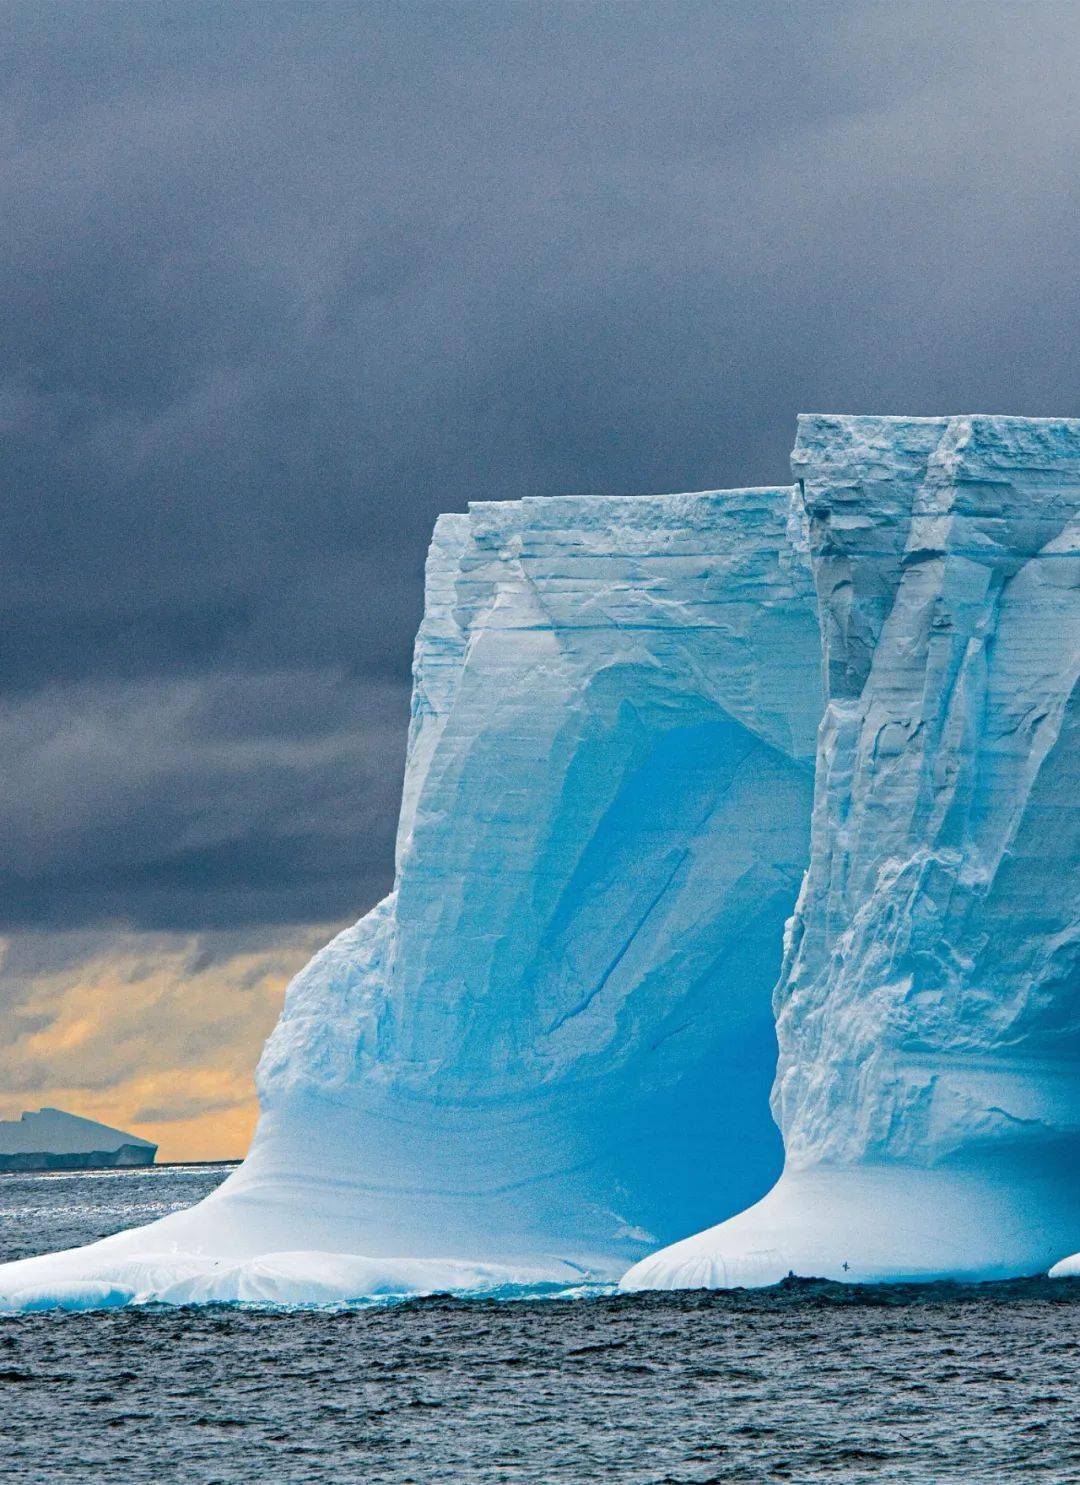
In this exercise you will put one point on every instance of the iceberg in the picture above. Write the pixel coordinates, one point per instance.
(51, 1139)
(678, 765)
(928, 1011)
(550, 1049)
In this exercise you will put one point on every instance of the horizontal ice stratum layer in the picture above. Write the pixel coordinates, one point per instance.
(928, 1013)
(550, 1049)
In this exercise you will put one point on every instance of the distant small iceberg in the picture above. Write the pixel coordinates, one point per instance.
(53, 1140)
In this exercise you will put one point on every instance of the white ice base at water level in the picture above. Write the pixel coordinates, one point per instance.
(217, 1253)
(308, 1279)
(881, 1224)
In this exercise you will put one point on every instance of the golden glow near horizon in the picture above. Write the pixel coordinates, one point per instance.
(155, 1033)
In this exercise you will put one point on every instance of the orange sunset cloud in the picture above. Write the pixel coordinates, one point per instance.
(157, 1033)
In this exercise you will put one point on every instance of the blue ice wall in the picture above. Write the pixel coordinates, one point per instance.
(564, 1041)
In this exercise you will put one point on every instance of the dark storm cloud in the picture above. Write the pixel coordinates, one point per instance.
(282, 282)
(201, 802)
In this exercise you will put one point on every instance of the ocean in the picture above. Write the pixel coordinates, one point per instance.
(806, 1382)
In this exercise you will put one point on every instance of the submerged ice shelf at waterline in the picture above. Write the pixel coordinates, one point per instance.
(550, 1049)
(928, 1013)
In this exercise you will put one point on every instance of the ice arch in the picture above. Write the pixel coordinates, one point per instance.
(550, 1049)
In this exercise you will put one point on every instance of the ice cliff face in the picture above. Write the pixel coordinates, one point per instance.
(928, 1013)
(551, 1048)
(604, 824)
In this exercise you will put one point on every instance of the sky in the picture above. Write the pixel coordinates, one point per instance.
(281, 282)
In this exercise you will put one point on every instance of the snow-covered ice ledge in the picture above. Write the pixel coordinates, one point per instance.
(928, 1013)
(550, 1049)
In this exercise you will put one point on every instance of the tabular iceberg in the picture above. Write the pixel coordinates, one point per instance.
(928, 1012)
(550, 1049)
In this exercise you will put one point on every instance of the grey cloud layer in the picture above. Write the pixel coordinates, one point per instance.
(281, 282)
(202, 802)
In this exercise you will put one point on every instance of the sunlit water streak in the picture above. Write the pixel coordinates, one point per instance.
(804, 1382)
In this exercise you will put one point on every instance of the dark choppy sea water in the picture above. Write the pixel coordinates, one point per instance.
(806, 1382)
